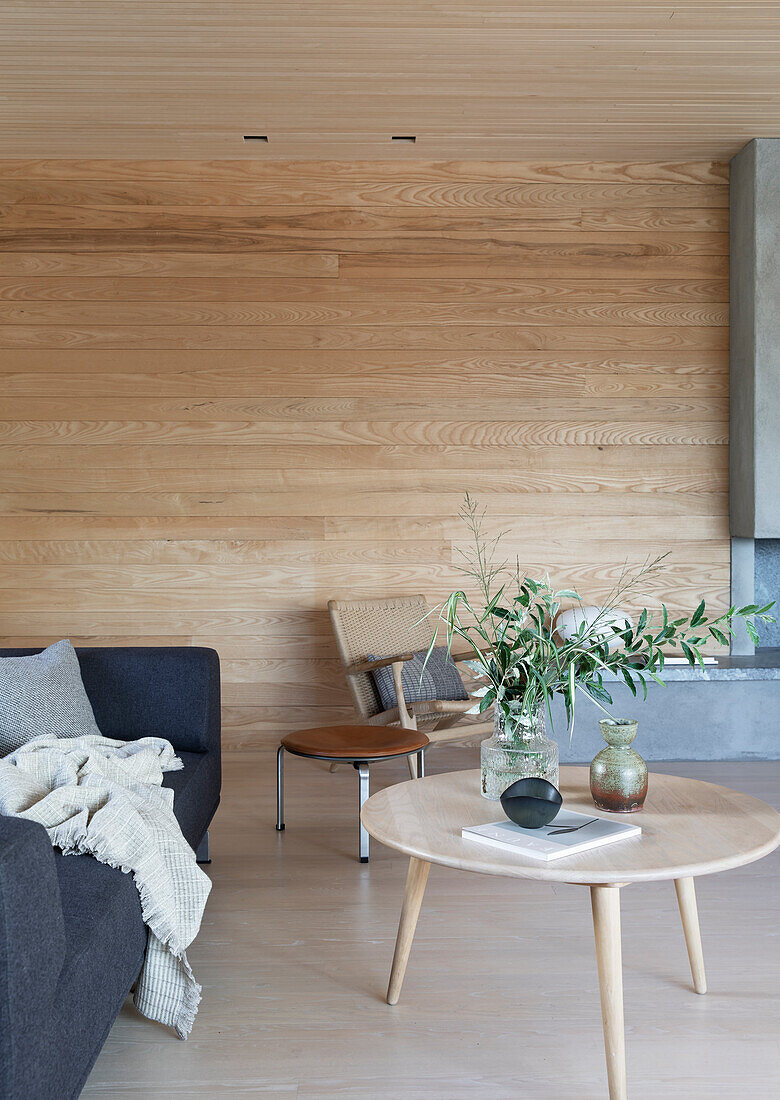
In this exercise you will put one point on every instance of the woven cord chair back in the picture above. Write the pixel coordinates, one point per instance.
(381, 628)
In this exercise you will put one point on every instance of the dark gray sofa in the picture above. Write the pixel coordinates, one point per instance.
(71, 935)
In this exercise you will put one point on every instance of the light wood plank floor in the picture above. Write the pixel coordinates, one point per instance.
(501, 996)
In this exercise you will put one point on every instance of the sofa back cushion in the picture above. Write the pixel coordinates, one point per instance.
(43, 693)
(151, 691)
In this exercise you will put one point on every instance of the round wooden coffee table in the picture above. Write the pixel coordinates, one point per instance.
(356, 745)
(689, 828)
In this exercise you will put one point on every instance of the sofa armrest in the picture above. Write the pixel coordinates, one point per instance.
(32, 941)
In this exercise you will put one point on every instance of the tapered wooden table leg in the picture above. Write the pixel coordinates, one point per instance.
(410, 910)
(686, 899)
(605, 901)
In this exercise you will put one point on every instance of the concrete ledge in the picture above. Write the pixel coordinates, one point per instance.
(764, 665)
(693, 718)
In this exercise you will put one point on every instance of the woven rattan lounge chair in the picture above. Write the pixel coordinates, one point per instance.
(393, 627)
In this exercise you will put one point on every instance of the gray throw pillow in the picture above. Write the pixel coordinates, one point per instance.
(43, 694)
(440, 680)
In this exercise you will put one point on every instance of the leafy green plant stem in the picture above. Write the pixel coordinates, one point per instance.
(523, 660)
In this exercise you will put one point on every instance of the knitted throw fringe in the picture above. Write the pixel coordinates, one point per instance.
(105, 798)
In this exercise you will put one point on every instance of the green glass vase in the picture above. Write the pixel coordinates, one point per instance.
(518, 749)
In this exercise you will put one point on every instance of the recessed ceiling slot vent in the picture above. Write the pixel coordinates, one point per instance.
(256, 137)
(408, 138)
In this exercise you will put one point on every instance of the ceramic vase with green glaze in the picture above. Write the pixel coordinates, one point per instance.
(618, 774)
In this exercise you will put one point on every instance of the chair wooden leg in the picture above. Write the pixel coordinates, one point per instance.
(408, 720)
(686, 899)
(416, 764)
(605, 901)
(416, 879)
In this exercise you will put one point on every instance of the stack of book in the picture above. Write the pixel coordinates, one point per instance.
(569, 834)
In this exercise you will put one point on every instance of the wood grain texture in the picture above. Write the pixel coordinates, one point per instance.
(297, 940)
(127, 175)
(686, 899)
(601, 292)
(689, 828)
(605, 903)
(612, 79)
(234, 389)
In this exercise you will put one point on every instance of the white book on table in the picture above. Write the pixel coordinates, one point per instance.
(587, 831)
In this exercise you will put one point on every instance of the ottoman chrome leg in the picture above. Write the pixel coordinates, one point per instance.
(280, 788)
(362, 770)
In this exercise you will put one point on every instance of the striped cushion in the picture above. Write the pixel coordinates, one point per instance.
(440, 680)
(43, 694)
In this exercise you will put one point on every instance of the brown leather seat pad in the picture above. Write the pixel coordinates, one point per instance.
(355, 742)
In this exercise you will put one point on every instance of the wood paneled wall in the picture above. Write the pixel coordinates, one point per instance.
(233, 390)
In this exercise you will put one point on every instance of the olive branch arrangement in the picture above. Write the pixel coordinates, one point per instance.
(524, 660)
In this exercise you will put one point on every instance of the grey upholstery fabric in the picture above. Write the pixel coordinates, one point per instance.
(72, 937)
(43, 694)
(439, 680)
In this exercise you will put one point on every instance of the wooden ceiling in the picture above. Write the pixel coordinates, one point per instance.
(335, 79)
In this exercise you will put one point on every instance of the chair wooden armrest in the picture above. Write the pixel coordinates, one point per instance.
(408, 713)
(383, 662)
(448, 706)
(397, 663)
(405, 710)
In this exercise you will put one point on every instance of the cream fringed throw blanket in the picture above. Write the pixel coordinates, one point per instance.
(103, 797)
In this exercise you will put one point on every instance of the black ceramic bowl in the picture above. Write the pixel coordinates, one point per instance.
(531, 803)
